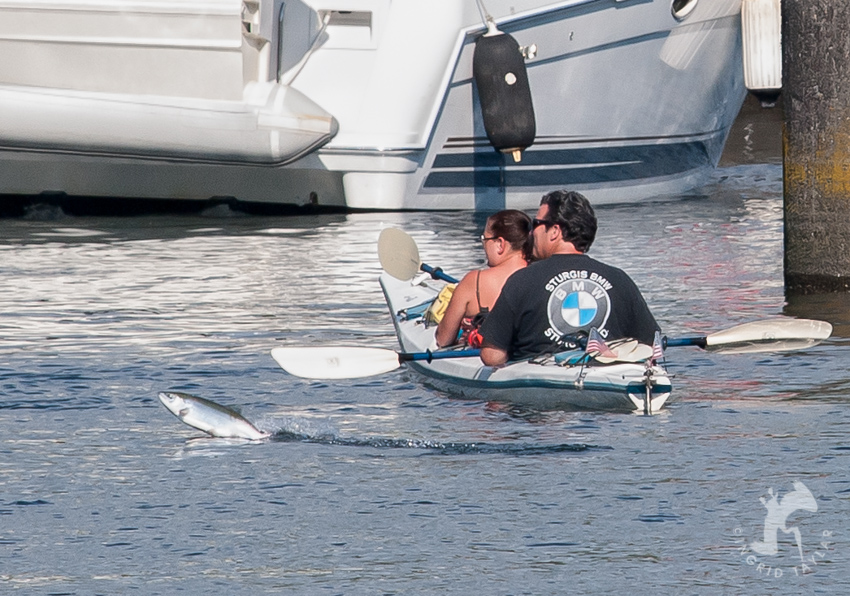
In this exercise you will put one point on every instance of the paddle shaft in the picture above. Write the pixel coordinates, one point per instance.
(700, 341)
(428, 355)
(437, 273)
(675, 342)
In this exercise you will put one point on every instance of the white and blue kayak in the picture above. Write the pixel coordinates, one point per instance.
(549, 382)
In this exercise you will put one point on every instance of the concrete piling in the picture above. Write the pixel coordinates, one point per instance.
(816, 144)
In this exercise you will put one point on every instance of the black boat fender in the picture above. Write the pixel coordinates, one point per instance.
(498, 67)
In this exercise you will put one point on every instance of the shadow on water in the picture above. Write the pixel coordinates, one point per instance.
(833, 307)
(58, 205)
(756, 135)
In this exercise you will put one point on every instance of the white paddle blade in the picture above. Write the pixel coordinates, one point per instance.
(769, 335)
(398, 254)
(335, 362)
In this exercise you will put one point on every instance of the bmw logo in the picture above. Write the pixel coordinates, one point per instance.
(578, 304)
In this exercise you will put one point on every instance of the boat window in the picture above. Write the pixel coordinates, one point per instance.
(682, 8)
(350, 18)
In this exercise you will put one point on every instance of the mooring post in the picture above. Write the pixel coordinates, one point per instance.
(816, 144)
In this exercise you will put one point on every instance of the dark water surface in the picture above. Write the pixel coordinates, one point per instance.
(385, 485)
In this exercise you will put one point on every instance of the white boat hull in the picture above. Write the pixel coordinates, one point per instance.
(630, 102)
(544, 386)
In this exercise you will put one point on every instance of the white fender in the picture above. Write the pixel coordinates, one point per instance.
(761, 26)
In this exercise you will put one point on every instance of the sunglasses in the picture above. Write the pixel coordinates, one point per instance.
(484, 238)
(541, 222)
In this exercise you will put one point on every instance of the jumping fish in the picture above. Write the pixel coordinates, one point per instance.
(210, 417)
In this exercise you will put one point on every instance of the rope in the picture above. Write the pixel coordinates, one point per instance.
(485, 16)
(296, 70)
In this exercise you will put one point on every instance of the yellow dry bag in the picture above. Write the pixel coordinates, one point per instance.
(437, 310)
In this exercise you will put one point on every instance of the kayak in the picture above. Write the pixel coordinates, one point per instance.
(569, 380)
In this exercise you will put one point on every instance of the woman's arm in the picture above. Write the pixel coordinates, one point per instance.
(448, 328)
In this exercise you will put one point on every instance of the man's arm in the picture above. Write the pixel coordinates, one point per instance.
(493, 356)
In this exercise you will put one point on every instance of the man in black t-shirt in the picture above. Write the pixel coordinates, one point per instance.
(564, 291)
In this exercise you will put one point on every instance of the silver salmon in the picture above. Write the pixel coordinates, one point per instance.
(210, 417)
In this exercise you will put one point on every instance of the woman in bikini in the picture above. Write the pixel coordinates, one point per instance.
(507, 244)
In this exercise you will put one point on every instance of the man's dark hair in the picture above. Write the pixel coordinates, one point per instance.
(572, 212)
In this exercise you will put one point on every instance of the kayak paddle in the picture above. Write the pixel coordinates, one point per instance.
(399, 257)
(768, 335)
(350, 363)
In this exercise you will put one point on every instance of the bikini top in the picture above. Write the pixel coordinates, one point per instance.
(473, 322)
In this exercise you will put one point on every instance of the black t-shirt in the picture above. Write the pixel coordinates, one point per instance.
(562, 295)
